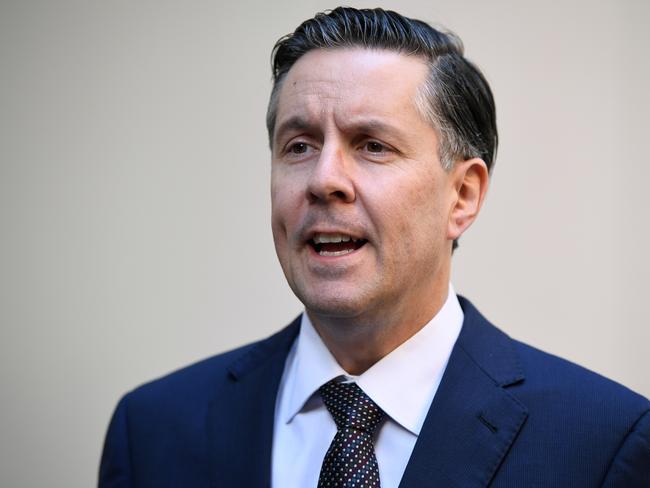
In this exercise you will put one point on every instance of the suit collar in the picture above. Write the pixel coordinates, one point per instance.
(472, 422)
(260, 352)
(491, 349)
(473, 419)
(242, 412)
(402, 383)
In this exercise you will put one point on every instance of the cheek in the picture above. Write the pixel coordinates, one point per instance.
(281, 189)
(415, 214)
(278, 214)
(287, 206)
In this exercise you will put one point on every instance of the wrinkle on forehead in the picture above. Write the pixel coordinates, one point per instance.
(320, 97)
(348, 84)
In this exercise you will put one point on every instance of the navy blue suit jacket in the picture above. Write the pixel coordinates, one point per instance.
(505, 415)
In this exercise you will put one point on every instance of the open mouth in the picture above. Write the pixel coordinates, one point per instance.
(335, 244)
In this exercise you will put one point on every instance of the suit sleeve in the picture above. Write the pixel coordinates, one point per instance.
(630, 467)
(115, 465)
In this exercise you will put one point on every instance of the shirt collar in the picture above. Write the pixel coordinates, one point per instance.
(402, 384)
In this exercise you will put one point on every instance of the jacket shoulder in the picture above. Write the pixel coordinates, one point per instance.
(538, 376)
(587, 427)
(159, 430)
(578, 418)
(565, 382)
(199, 381)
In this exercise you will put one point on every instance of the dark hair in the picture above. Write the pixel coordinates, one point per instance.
(455, 98)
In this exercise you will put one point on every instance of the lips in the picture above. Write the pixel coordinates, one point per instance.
(335, 244)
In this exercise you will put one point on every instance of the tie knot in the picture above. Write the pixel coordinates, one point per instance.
(350, 406)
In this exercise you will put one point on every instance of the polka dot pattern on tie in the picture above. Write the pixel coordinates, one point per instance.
(350, 461)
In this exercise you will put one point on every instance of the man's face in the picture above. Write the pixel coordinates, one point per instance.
(360, 201)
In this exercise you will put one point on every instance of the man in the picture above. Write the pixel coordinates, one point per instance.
(382, 137)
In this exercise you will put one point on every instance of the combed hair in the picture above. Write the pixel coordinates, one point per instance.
(455, 98)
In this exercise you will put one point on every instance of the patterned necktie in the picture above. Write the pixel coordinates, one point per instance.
(350, 461)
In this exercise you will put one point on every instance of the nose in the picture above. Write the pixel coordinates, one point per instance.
(330, 179)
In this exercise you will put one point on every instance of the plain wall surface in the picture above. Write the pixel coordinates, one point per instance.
(135, 207)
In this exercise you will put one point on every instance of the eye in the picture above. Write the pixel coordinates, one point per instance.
(298, 148)
(375, 147)
(378, 152)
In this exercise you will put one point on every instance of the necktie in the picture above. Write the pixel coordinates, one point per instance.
(350, 461)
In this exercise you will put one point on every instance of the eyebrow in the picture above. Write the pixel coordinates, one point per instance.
(370, 126)
(296, 123)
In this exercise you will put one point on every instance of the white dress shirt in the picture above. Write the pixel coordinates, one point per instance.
(402, 384)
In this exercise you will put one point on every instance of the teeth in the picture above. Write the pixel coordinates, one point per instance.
(326, 238)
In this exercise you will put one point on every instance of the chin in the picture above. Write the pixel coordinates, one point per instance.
(332, 305)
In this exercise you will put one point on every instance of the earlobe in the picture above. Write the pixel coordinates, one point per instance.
(470, 179)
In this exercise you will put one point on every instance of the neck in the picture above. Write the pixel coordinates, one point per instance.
(359, 342)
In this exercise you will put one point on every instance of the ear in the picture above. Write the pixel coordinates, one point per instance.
(470, 181)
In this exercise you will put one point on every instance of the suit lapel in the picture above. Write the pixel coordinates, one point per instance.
(473, 420)
(471, 424)
(243, 413)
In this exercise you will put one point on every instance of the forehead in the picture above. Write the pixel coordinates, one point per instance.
(348, 83)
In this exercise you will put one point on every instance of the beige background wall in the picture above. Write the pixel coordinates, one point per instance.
(134, 202)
